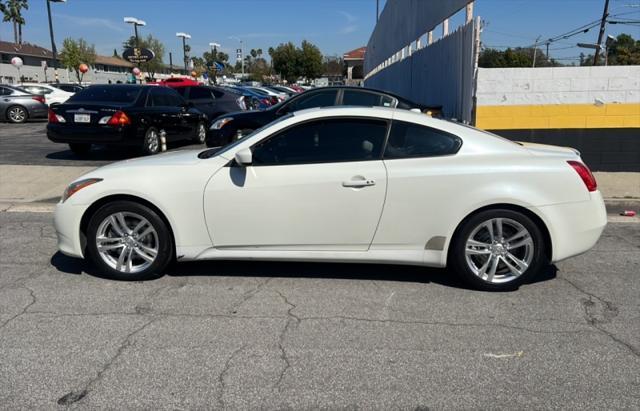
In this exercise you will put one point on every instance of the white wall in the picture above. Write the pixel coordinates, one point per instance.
(9, 74)
(558, 85)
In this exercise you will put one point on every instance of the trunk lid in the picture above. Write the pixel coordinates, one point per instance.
(79, 111)
(550, 151)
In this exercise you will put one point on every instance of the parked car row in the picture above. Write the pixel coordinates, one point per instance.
(151, 116)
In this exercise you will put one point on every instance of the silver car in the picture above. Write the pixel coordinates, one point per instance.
(17, 105)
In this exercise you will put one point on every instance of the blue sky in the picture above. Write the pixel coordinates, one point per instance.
(335, 26)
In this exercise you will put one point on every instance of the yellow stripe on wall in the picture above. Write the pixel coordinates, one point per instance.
(558, 116)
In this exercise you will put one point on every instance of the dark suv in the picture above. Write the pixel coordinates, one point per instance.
(233, 126)
(212, 101)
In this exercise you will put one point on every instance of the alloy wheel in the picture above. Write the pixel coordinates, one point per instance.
(499, 250)
(17, 114)
(127, 242)
(152, 141)
(202, 133)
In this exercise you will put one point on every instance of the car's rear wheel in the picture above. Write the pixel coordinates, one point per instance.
(17, 114)
(151, 144)
(80, 148)
(498, 250)
(129, 241)
(241, 133)
(201, 134)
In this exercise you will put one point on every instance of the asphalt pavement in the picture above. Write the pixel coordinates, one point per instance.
(27, 144)
(249, 335)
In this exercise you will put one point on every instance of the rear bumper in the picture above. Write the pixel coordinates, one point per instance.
(62, 133)
(574, 227)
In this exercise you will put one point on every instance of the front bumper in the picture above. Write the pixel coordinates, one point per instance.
(66, 220)
(574, 227)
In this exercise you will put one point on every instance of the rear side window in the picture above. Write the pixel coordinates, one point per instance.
(366, 99)
(199, 93)
(407, 140)
(5, 91)
(317, 99)
(217, 93)
(164, 97)
(38, 90)
(115, 94)
(323, 141)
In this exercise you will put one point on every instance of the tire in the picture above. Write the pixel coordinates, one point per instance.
(17, 114)
(488, 261)
(79, 148)
(241, 133)
(201, 134)
(151, 142)
(140, 248)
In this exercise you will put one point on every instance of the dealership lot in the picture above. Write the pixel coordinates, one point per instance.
(273, 335)
(301, 335)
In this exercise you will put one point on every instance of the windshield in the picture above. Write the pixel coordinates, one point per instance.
(228, 147)
(101, 94)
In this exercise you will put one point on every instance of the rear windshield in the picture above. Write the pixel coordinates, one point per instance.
(114, 94)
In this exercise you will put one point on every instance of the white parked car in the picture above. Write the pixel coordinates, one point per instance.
(51, 94)
(348, 184)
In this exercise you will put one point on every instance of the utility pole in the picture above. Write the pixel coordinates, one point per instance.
(603, 22)
(54, 51)
(535, 50)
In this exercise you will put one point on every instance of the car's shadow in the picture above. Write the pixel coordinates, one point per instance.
(350, 271)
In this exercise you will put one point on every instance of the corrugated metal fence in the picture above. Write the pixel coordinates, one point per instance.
(440, 74)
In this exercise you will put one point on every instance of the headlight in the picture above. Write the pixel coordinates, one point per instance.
(221, 123)
(77, 186)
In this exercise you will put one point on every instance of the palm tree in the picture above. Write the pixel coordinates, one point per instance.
(11, 11)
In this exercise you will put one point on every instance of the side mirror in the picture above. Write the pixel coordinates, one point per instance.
(244, 157)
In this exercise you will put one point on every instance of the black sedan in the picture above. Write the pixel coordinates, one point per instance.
(129, 115)
(233, 126)
(212, 101)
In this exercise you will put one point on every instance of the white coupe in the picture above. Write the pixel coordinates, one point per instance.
(367, 185)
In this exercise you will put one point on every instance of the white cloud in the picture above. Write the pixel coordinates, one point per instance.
(351, 19)
(95, 22)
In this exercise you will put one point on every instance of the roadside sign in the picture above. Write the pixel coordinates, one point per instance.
(137, 55)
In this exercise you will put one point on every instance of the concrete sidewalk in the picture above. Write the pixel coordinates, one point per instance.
(20, 184)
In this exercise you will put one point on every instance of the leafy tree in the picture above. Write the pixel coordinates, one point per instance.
(624, 51)
(76, 52)
(12, 11)
(285, 61)
(333, 66)
(310, 60)
(514, 57)
(153, 44)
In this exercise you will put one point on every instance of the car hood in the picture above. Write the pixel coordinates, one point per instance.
(174, 158)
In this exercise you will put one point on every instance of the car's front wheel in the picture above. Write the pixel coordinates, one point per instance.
(129, 241)
(201, 134)
(498, 250)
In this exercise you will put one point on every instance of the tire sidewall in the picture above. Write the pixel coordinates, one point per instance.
(457, 257)
(165, 248)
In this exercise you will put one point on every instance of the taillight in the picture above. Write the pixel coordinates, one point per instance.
(274, 100)
(55, 118)
(39, 99)
(119, 119)
(585, 174)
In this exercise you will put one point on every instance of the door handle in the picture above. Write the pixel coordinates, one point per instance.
(358, 183)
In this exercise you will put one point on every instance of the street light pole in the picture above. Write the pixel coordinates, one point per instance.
(603, 22)
(184, 36)
(54, 51)
(136, 22)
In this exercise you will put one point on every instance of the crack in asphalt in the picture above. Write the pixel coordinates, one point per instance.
(77, 395)
(223, 373)
(291, 318)
(249, 295)
(25, 308)
(607, 313)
